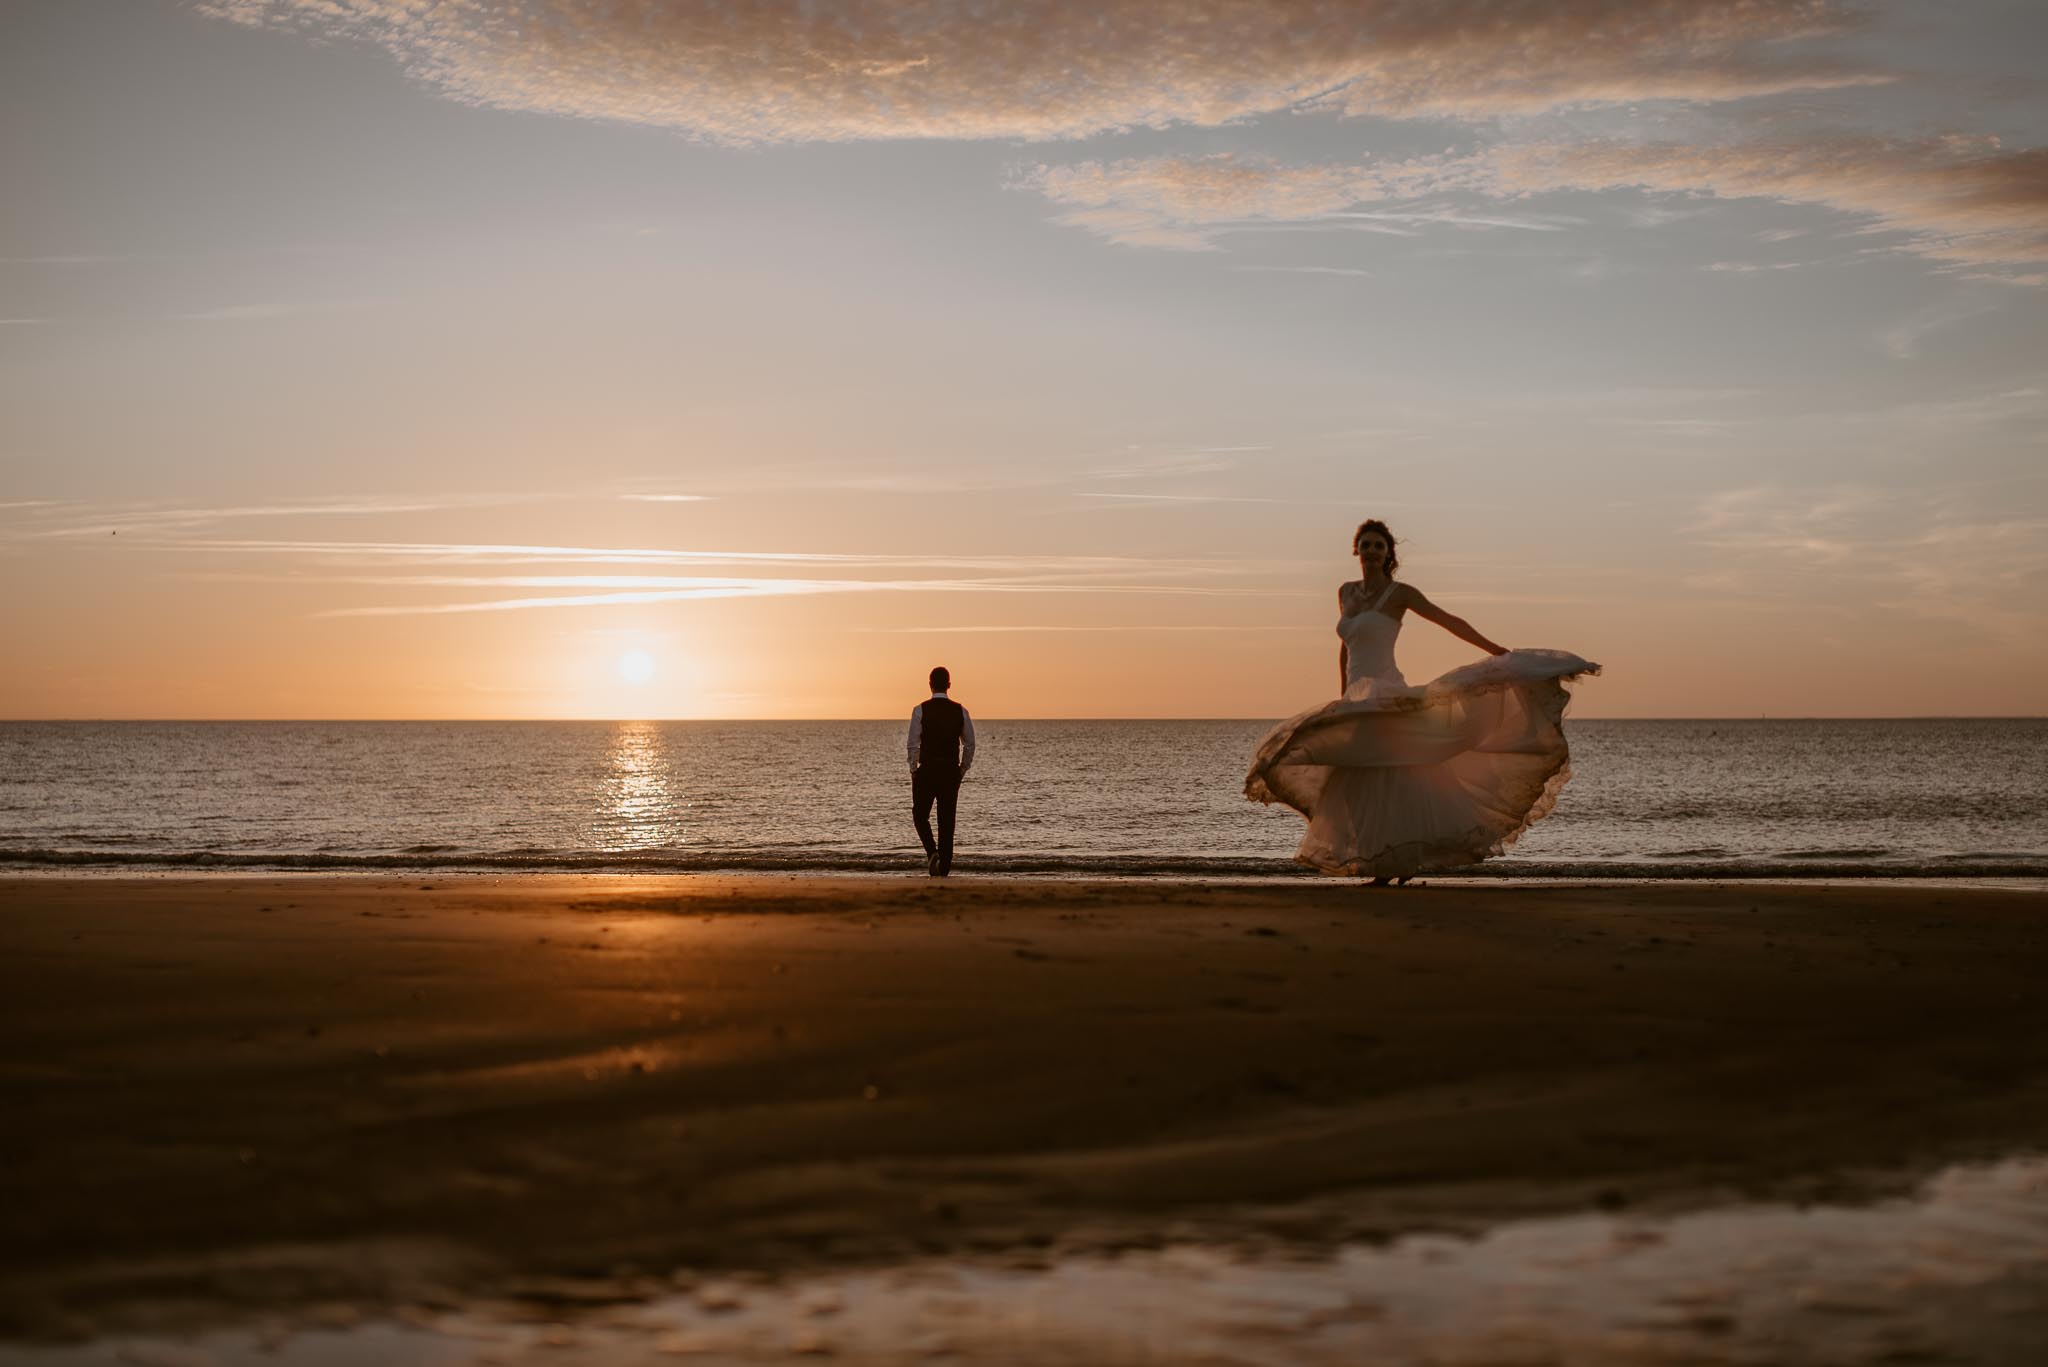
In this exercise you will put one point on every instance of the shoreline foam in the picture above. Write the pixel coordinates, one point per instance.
(1823, 864)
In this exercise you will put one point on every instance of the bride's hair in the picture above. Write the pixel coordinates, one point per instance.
(1373, 524)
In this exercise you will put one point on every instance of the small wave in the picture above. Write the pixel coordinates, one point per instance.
(811, 860)
(1718, 870)
(573, 861)
(1853, 852)
(1980, 856)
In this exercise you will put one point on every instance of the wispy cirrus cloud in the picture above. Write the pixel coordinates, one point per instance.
(1171, 628)
(80, 259)
(1818, 527)
(1902, 340)
(1352, 271)
(1956, 199)
(1960, 201)
(763, 71)
(1174, 464)
(512, 553)
(505, 573)
(85, 520)
(1197, 498)
(240, 313)
(1184, 202)
(1750, 267)
(1990, 573)
(677, 592)
(681, 589)
(1188, 202)
(1880, 548)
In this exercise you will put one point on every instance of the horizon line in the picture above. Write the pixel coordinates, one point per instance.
(783, 721)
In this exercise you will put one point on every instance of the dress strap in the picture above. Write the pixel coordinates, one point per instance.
(1385, 594)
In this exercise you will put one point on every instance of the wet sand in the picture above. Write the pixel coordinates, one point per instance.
(309, 1097)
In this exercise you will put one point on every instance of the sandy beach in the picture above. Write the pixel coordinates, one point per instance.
(282, 1095)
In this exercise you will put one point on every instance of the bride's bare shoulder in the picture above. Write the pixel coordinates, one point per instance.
(1406, 595)
(1347, 593)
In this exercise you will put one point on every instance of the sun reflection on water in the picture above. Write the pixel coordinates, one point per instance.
(641, 803)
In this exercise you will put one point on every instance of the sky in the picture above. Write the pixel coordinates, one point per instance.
(582, 358)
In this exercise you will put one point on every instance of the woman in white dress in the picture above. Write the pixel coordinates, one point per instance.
(1397, 781)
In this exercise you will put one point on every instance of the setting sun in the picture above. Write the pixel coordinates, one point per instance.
(636, 667)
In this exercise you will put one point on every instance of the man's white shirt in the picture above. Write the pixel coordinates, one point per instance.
(966, 733)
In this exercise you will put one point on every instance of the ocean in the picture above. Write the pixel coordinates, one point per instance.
(1924, 798)
(1930, 798)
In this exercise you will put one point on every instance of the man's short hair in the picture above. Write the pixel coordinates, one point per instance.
(941, 680)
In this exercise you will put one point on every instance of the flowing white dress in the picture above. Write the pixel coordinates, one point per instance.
(1397, 780)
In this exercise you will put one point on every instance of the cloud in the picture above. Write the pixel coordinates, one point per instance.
(153, 520)
(1200, 498)
(749, 71)
(513, 571)
(1350, 271)
(1879, 549)
(679, 591)
(1957, 200)
(2024, 410)
(239, 313)
(1816, 528)
(1684, 427)
(1965, 200)
(489, 553)
(2031, 279)
(1990, 574)
(619, 590)
(1182, 202)
(1528, 223)
(1233, 628)
(265, 311)
(1201, 460)
(1901, 341)
(77, 259)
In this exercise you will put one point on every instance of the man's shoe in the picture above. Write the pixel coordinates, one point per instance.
(945, 870)
(931, 866)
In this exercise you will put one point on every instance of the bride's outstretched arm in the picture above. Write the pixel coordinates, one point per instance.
(1457, 626)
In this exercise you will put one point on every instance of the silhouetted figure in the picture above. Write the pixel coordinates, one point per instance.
(941, 749)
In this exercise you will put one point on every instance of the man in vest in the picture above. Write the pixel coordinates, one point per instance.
(941, 749)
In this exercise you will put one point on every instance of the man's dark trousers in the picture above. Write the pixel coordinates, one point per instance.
(929, 783)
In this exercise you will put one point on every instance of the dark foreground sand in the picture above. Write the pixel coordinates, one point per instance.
(223, 1097)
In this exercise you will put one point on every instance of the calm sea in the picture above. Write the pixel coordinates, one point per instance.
(1647, 798)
